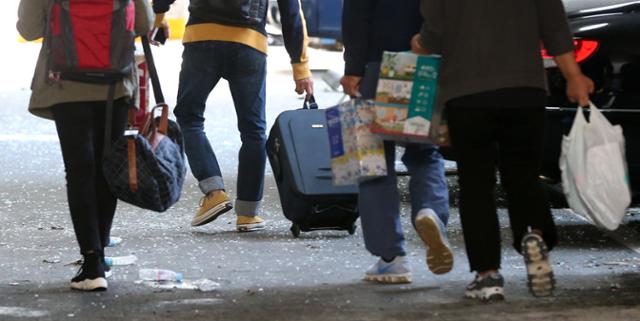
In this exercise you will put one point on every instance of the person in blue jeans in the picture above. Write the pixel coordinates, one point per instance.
(220, 43)
(369, 27)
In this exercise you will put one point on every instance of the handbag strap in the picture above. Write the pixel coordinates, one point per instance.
(131, 164)
(157, 89)
(131, 146)
(153, 72)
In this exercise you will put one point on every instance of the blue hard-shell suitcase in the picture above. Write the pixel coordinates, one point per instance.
(298, 150)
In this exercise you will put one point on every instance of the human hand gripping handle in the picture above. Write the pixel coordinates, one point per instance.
(578, 89)
(351, 85)
(160, 31)
(416, 46)
(579, 86)
(304, 85)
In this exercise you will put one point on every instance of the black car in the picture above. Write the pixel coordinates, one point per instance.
(607, 40)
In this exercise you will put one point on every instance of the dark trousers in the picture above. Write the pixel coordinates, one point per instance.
(499, 129)
(80, 129)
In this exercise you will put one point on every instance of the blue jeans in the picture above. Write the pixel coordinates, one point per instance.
(203, 64)
(379, 200)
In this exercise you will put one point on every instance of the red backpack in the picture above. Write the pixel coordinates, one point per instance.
(91, 40)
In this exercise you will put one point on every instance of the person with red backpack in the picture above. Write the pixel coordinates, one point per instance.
(75, 78)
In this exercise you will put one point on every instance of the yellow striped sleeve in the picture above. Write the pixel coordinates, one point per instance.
(214, 31)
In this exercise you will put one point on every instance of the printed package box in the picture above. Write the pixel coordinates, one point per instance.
(356, 153)
(405, 96)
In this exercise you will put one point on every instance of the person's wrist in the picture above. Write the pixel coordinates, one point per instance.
(158, 20)
(416, 42)
(574, 77)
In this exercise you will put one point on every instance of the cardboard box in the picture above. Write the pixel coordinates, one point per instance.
(405, 96)
(356, 153)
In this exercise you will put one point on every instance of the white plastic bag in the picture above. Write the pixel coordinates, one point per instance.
(594, 170)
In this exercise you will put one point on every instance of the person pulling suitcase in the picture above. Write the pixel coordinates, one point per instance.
(227, 39)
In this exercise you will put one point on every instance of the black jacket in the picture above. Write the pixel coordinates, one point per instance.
(203, 11)
(372, 26)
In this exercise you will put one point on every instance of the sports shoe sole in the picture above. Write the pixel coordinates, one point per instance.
(439, 255)
(495, 293)
(540, 277)
(389, 279)
(250, 227)
(97, 284)
(212, 214)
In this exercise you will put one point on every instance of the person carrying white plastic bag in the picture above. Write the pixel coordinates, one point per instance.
(594, 170)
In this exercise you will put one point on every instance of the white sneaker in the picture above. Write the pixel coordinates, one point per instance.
(91, 276)
(396, 271)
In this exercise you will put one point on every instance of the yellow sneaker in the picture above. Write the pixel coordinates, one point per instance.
(249, 223)
(211, 208)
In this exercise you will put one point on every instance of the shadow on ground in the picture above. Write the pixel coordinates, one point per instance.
(358, 301)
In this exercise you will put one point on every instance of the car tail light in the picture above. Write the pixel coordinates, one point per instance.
(584, 49)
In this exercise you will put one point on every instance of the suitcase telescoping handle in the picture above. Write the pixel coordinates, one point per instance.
(309, 103)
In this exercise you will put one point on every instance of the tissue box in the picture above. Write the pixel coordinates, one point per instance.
(405, 96)
(356, 153)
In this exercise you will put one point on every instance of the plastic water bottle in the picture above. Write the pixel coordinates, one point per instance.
(160, 275)
(120, 260)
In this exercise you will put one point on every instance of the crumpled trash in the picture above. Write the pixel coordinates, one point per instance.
(203, 285)
(206, 285)
(77, 262)
(203, 301)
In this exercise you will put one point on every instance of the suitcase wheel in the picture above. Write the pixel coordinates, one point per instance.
(352, 229)
(295, 230)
